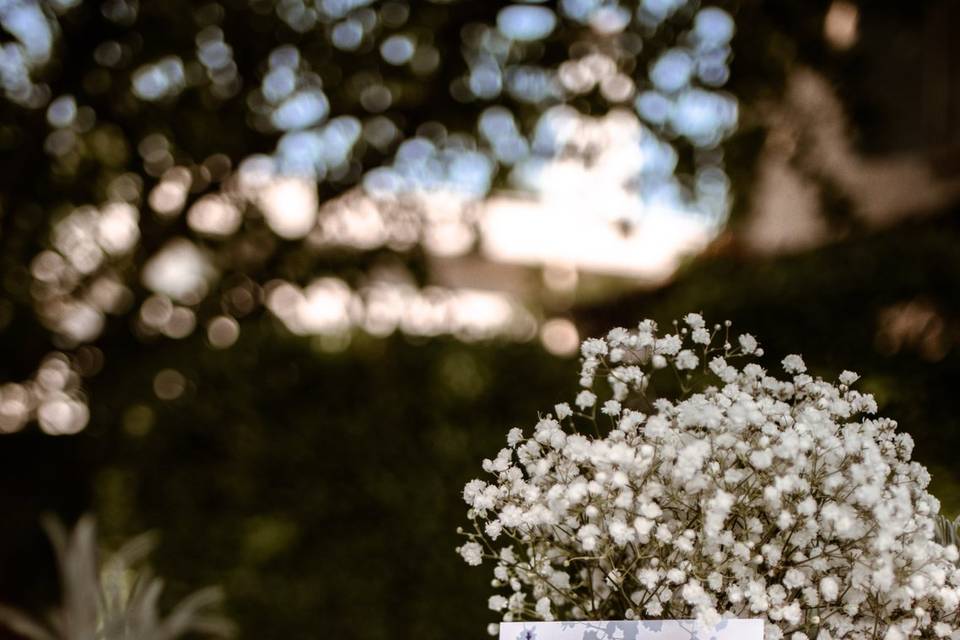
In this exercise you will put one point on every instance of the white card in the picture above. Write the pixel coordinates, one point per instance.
(729, 629)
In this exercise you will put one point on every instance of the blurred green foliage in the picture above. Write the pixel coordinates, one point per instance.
(322, 488)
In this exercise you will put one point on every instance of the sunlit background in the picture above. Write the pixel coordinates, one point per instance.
(276, 274)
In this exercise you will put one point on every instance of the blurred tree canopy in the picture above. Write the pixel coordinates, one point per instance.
(315, 476)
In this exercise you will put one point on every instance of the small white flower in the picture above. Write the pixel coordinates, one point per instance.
(585, 399)
(669, 345)
(593, 347)
(848, 377)
(794, 364)
(589, 535)
(761, 459)
(694, 320)
(543, 609)
(563, 410)
(472, 490)
(611, 408)
(647, 326)
(511, 516)
(718, 365)
(748, 344)
(829, 588)
(497, 603)
(687, 360)
(618, 337)
(621, 533)
(472, 553)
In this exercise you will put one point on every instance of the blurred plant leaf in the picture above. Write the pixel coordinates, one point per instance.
(116, 599)
(947, 531)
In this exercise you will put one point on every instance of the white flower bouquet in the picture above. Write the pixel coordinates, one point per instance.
(743, 496)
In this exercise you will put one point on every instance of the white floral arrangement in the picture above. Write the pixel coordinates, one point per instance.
(746, 496)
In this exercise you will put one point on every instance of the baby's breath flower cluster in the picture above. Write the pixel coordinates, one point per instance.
(745, 496)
